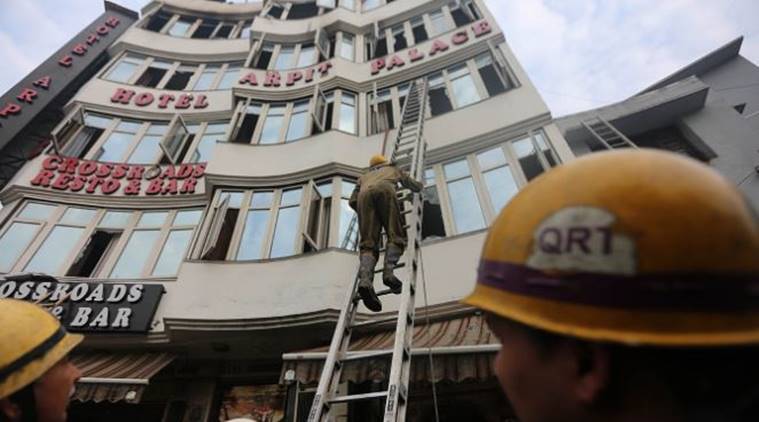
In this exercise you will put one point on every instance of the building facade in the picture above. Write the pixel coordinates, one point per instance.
(708, 110)
(191, 203)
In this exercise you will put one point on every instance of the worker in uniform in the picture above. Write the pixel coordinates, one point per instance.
(624, 286)
(36, 377)
(375, 201)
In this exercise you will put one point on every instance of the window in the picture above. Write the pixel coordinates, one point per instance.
(534, 155)
(14, 242)
(255, 226)
(230, 76)
(498, 178)
(298, 121)
(367, 5)
(206, 28)
(214, 133)
(177, 243)
(273, 124)
(491, 77)
(438, 95)
(52, 253)
(433, 225)
(148, 150)
(180, 27)
(285, 57)
(348, 236)
(439, 23)
(276, 11)
(247, 128)
(115, 146)
(224, 30)
(264, 56)
(181, 77)
(382, 117)
(465, 205)
(399, 37)
(124, 68)
(347, 50)
(380, 45)
(347, 122)
(418, 30)
(302, 10)
(348, 4)
(154, 73)
(307, 55)
(157, 21)
(207, 77)
(286, 229)
(82, 141)
(464, 89)
(464, 13)
(245, 30)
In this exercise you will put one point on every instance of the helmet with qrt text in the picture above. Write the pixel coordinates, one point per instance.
(31, 342)
(639, 247)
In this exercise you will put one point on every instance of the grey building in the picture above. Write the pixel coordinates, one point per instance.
(708, 110)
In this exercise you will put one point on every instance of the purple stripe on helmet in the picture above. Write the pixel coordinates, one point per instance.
(661, 292)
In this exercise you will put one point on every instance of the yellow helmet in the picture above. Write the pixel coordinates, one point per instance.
(377, 159)
(638, 247)
(31, 342)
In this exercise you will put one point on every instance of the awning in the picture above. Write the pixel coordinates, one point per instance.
(116, 376)
(462, 349)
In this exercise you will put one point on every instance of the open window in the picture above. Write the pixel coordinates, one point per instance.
(181, 77)
(275, 11)
(175, 139)
(244, 121)
(382, 118)
(154, 74)
(311, 218)
(93, 255)
(66, 129)
(319, 110)
(221, 229)
(303, 10)
(321, 39)
(261, 53)
(462, 13)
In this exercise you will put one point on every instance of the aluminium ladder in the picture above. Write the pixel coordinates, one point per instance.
(607, 134)
(408, 152)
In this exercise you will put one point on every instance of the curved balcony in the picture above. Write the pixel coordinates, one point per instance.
(167, 46)
(205, 7)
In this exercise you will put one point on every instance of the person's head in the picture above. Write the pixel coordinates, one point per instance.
(36, 377)
(625, 284)
(377, 159)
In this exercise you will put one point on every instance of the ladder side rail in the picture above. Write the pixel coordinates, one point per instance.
(403, 114)
(596, 135)
(617, 132)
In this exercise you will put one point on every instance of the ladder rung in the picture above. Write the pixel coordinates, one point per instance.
(365, 354)
(359, 397)
(371, 322)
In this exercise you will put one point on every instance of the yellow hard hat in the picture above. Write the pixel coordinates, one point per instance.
(377, 159)
(639, 247)
(31, 342)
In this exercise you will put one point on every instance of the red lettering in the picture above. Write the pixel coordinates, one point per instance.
(169, 187)
(438, 45)
(110, 186)
(168, 173)
(395, 61)
(79, 49)
(119, 171)
(200, 170)
(27, 95)
(189, 185)
(87, 168)
(43, 82)
(144, 99)
(415, 55)
(292, 77)
(481, 28)
(77, 184)
(135, 172)
(377, 65)
(185, 170)
(154, 187)
(66, 61)
(309, 75)
(122, 96)
(69, 165)
(184, 101)
(164, 100)
(132, 187)
(272, 78)
(42, 178)
(61, 182)
(112, 21)
(104, 170)
(201, 102)
(93, 183)
(92, 39)
(103, 30)
(249, 79)
(51, 162)
(460, 38)
(323, 67)
(10, 108)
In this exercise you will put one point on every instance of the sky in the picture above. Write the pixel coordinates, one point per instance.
(580, 54)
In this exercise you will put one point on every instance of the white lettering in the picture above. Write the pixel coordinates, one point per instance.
(122, 318)
(135, 293)
(41, 290)
(57, 311)
(82, 314)
(101, 320)
(79, 291)
(60, 290)
(24, 289)
(7, 288)
(97, 294)
(117, 293)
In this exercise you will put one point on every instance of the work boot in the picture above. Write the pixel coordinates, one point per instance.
(366, 283)
(392, 255)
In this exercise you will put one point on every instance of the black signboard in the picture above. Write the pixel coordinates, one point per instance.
(90, 306)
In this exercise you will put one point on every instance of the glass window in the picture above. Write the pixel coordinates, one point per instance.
(490, 77)
(181, 77)
(124, 69)
(307, 55)
(464, 89)
(230, 76)
(187, 217)
(498, 178)
(261, 200)
(467, 214)
(235, 198)
(35, 211)
(286, 228)
(180, 27)
(298, 121)
(77, 216)
(135, 254)
(285, 57)
(154, 73)
(114, 147)
(205, 81)
(438, 95)
(115, 219)
(348, 4)
(370, 4)
(205, 29)
(253, 234)
(276, 11)
(347, 50)
(348, 235)
(148, 150)
(14, 242)
(347, 121)
(528, 158)
(399, 37)
(54, 249)
(152, 219)
(433, 225)
(172, 253)
(273, 124)
(157, 21)
(418, 29)
(439, 23)
(214, 132)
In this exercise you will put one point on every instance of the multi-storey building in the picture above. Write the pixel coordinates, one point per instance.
(192, 203)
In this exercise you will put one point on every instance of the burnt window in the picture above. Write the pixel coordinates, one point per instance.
(153, 74)
(180, 78)
(264, 57)
(303, 10)
(432, 224)
(380, 47)
(382, 112)
(248, 124)
(205, 29)
(399, 38)
(276, 11)
(464, 13)
(440, 102)
(223, 226)
(157, 21)
(93, 254)
(224, 30)
(494, 82)
(418, 29)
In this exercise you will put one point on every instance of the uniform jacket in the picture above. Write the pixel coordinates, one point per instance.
(380, 174)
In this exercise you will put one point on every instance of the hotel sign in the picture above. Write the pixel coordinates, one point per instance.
(276, 79)
(437, 46)
(91, 307)
(68, 174)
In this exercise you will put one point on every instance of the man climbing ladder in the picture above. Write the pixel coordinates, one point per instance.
(375, 200)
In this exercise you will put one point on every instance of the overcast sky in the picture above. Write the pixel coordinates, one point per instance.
(580, 53)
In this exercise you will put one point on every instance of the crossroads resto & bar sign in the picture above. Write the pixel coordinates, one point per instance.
(92, 307)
